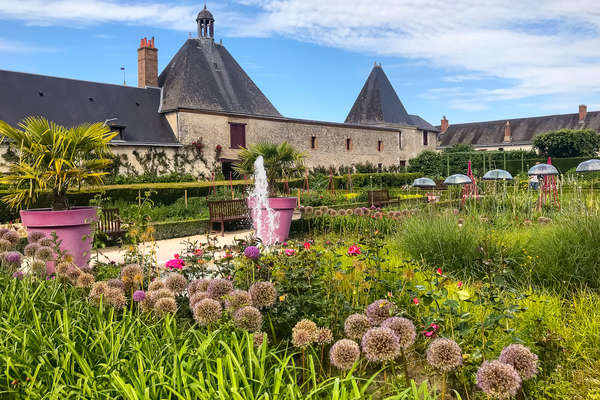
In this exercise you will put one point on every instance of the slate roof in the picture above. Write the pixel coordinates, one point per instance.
(204, 76)
(523, 130)
(71, 102)
(378, 103)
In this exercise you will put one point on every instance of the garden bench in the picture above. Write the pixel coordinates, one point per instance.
(222, 211)
(110, 223)
(379, 198)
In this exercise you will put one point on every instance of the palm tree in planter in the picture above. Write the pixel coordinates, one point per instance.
(271, 217)
(53, 159)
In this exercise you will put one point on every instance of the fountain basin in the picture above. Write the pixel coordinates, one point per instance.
(282, 209)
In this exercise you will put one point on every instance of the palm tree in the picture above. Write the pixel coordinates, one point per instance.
(52, 157)
(280, 161)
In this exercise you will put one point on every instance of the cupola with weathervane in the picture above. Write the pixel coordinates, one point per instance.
(206, 24)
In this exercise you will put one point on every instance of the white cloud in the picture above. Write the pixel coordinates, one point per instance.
(11, 46)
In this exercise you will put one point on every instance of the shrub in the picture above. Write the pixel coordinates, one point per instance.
(568, 143)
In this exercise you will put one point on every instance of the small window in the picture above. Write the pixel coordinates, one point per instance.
(403, 163)
(425, 138)
(380, 145)
(348, 144)
(399, 140)
(313, 142)
(380, 167)
(237, 135)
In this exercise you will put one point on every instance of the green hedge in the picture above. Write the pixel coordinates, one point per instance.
(169, 230)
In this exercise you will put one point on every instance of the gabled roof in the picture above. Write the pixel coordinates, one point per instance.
(523, 130)
(204, 76)
(71, 102)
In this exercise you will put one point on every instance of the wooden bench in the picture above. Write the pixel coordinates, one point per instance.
(110, 223)
(379, 198)
(222, 211)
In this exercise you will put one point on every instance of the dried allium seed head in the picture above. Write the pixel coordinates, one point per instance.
(44, 253)
(197, 297)
(378, 311)
(62, 268)
(343, 354)
(98, 289)
(332, 212)
(498, 379)
(444, 354)
(258, 338)
(198, 285)
(33, 237)
(218, 288)
(176, 282)
(237, 299)
(248, 318)
(308, 326)
(404, 330)
(522, 360)
(308, 210)
(263, 294)
(115, 297)
(356, 325)
(165, 305)
(85, 280)
(156, 285)
(318, 213)
(73, 274)
(301, 338)
(12, 236)
(380, 344)
(38, 267)
(5, 245)
(207, 311)
(342, 213)
(46, 241)
(116, 283)
(31, 249)
(324, 336)
(160, 294)
(324, 209)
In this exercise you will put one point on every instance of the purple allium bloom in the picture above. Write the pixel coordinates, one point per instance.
(139, 295)
(18, 275)
(252, 252)
(13, 257)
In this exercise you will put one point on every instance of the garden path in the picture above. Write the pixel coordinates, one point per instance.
(166, 248)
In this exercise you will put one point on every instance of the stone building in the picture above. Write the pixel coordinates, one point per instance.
(203, 107)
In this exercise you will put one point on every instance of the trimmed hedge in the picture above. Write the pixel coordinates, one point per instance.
(170, 230)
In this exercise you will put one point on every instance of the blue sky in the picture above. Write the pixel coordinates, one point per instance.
(470, 60)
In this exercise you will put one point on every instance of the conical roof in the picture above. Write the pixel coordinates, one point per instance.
(204, 76)
(378, 102)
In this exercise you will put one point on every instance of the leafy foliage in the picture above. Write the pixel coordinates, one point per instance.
(568, 143)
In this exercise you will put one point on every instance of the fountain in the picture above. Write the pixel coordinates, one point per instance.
(271, 217)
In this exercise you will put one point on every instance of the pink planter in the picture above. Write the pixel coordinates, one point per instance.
(283, 210)
(71, 226)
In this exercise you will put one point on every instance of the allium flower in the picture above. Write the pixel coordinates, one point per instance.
(165, 305)
(380, 344)
(324, 336)
(116, 283)
(521, 359)
(176, 282)
(248, 318)
(238, 299)
(332, 212)
(378, 311)
(308, 210)
(197, 297)
(12, 236)
(18, 274)
(98, 289)
(132, 276)
(354, 250)
(85, 280)
(207, 311)
(318, 213)
(139, 295)
(252, 252)
(13, 257)
(114, 297)
(218, 288)
(160, 294)
(289, 252)
(356, 325)
(308, 326)
(444, 354)
(30, 249)
(359, 212)
(341, 213)
(498, 379)
(258, 338)
(198, 285)
(46, 241)
(404, 330)
(38, 267)
(33, 237)
(324, 209)
(263, 294)
(73, 274)
(44, 253)
(5, 245)
(3, 231)
(156, 285)
(301, 338)
(349, 211)
(343, 354)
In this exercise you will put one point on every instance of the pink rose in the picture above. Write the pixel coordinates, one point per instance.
(289, 252)
(354, 250)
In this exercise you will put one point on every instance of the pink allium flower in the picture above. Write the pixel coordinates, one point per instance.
(252, 252)
(175, 263)
(139, 295)
(354, 250)
(289, 252)
(18, 275)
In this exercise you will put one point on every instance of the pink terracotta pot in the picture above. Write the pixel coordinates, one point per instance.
(73, 227)
(283, 210)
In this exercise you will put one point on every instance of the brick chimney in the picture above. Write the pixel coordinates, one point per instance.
(507, 133)
(147, 63)
(582, 112)
(444, 125)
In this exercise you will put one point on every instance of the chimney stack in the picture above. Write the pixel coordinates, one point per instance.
(582, 112)
(444, 125)
(147, 63)
(507, 133)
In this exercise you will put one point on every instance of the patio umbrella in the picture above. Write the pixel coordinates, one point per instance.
(423, 183)
(458, 179)
(543, 170)
(589, 166)
(497, 175)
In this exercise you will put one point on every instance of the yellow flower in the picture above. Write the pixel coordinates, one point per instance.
(282, 297)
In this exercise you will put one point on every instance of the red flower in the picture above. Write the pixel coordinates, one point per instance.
(228, 256)
(459, 284)
(439, 271)
(198, 252)
(434, 326)
(354, 250)
(389, 294)
(307, 245)
(416, 301)
(176, 256)
(428, 333)
(289, 252)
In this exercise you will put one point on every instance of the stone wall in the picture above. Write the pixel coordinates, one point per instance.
(330, 138)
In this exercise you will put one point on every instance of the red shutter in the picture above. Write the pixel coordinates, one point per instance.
(237, 134)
